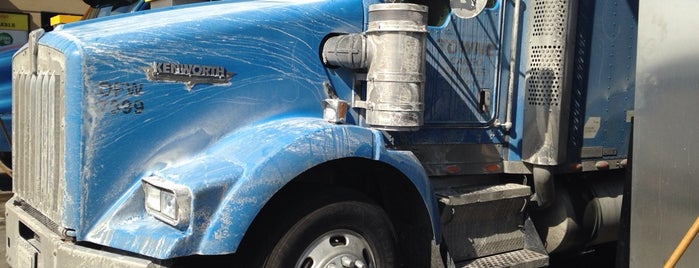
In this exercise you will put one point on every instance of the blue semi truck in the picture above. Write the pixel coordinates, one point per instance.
(318, 133)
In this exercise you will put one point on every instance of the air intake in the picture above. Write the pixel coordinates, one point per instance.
(393, 49)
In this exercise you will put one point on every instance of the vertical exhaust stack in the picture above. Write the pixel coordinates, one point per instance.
(548, 90)
(549, 73)
(393, 49)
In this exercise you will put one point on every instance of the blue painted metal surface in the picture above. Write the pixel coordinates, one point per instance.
(604, 83)
(233, 144)
(462, 60)
(6, 92)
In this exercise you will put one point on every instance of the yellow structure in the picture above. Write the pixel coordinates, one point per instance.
(63, 19)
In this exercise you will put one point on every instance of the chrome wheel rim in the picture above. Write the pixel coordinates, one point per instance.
(337, 249)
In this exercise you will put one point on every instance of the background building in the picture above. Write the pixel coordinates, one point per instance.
(41, 11)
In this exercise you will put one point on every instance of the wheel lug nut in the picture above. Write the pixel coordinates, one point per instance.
(359, 264)
(347, 262)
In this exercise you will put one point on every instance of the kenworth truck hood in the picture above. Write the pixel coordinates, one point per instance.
(148, 91)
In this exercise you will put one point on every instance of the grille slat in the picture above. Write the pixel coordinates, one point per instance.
(38, 145)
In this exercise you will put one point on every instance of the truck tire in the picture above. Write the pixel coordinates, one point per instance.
(343, 233)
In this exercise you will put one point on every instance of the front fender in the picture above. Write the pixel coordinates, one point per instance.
(233, 180)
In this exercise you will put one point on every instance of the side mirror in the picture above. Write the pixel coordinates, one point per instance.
(467, 9)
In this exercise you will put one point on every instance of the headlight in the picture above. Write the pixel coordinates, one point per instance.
(167, 201)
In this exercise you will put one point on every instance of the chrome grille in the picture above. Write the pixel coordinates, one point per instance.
(38, 94)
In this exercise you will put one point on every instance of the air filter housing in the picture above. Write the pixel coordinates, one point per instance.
(393, 50)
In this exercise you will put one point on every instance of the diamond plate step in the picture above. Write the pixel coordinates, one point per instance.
(516, 259)
(484, 220)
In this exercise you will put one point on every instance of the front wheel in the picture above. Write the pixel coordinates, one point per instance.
(338, 234)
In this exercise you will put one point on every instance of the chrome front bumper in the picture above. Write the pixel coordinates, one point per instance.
(30, 244)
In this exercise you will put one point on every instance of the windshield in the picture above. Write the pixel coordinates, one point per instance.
(108, 10)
